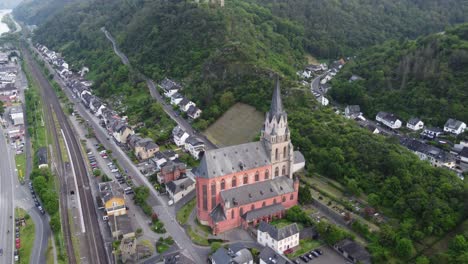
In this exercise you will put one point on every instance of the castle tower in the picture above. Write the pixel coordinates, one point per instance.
(276, 138)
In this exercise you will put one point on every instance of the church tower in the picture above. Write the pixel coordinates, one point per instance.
(276, 137)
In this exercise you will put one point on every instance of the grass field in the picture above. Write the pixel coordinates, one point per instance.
(26, 236)
(184, 213)
(305, 245)
(240, 124)
(20, 160)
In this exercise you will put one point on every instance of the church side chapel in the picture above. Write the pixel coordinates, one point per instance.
(242, 185)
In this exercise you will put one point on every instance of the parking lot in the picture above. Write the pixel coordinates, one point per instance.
(329, 256)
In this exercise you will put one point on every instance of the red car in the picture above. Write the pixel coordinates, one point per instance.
(18, 245)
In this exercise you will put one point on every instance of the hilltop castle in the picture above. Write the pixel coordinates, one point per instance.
(244, 184)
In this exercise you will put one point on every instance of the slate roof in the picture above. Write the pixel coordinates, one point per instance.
(414, 121)
(232, 159)
(192, 110)
(168, 84)
(178, 132)
(276, 107)
(358, 252)
(221, 256)
(217, 214)
(453, 124)
(42, 155)
(179, 185)
(464, 152)
(121, 223)
(194, 141)
(279, 233)
(108, 190)
(171, 166)
(177, 258)
(389, 117)
(353, 109)
(16, 110)
(298, 157)
(184, 102)
(264, 211)
(421, 147)
(269, 256)
(233, 255)
(258, 191)
(434, 129)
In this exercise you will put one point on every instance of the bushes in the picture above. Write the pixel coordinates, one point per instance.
(296, 214)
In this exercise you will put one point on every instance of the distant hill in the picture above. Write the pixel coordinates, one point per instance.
(427, 78)
(34, 12)
(9, 4)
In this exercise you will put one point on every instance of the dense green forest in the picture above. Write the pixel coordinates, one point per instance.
(34, 12)
(339, 28)
(426, 77)
(224, 55)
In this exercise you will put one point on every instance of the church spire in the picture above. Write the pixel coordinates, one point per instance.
(276, 108)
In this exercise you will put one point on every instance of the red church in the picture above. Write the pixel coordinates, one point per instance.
(244, 184)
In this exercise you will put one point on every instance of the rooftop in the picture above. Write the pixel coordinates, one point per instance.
(121, 223)
(358, 252)
(269, 256)
(179, 185)
(453, 124)
(281, 233)
(264, 211)
(232, 159)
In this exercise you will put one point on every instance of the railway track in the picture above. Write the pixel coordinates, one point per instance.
(96, 252)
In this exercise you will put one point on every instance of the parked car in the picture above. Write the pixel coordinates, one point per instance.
(114, 170)
(1, 251)
(314, 253)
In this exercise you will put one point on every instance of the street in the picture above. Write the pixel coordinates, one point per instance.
(7, 183)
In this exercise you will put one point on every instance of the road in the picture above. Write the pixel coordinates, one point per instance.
(157, 96)
(7, 205)
(96, 250)
(315, 84)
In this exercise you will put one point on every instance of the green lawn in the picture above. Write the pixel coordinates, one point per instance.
(26, 236)
(280, 223)
(196, 238)
(305, 245)
(20, 160)
(184, 213)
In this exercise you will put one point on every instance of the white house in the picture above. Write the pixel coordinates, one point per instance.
(121, 131)
(454, 126)
(389, 120)
(194, 112)
(169, 87)
(415, 124)
(464, 155)
(352, 111)
(432, 132)
(194, 146)
(185, 104)
(178, 189)
(176, 99)
(279, 239)
(179, 136)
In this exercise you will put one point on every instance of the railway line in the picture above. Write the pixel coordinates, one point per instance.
(95, 247)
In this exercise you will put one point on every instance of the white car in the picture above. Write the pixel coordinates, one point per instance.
(115, 170)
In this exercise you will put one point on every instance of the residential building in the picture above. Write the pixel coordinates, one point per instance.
(454, 126)
(279, 239)
(16, 115)
(176, 99)
(42, 159)
(171, 171)
(121, 226)
(269, 256)
(112, 198)
(194, 112)
(415, 124)
(121, 131)
(145, 149)
(352, 111)
(179, 136)
(432, 132)
(235, 254)
(242, 185)
(169, 87)
(353, 251)
(8, 90)
(320, 97)
(389, 120)
(464, 155)
(185, 104)
(159, 159)
(437, 157)
(170, 154)
(194, 146)
(180, 188)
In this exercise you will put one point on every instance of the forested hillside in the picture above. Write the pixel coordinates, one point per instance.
(34, 12)
(337, 28)
(426, 78)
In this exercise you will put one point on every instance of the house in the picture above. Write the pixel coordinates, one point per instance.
(454, 126)
(432, 132)
(353, 251)
(169, 87)
(145, 149)
(464, 155)
(279, 239)
(42, 159)
(159, 159)
(170, 154)
(112, 198)
(121, 226)
(320, 97)
(437, 157)
(16, 115)
(242, 185)
(269, 256)
(96, 105)
(415, 124)
(352, 111)
(193, 112)
(86, 98)
(185, 104)
(121, 131)
(194, 146)
(179, 136)
(299, 161)
(176, 258)
(389, 120)
(8, 90)
(178, 189)
(171, 171)
(235, 254)
(176, 99)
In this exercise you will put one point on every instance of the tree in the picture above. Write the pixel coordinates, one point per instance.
(373, 199)
(55, 223)
(422, 260)
(404, 247)
(215, 246)
(305, 196)
(2, 109)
